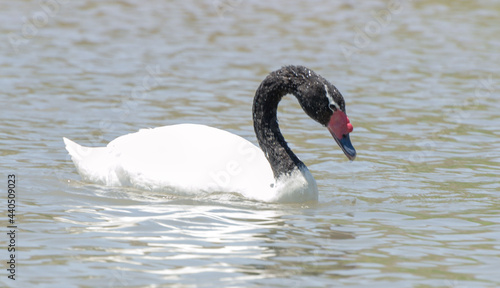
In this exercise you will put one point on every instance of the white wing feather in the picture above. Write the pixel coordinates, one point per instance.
(185, 158)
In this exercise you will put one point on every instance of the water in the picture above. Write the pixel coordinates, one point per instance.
(418, 208)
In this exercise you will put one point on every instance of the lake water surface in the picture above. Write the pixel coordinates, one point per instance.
(419, 207)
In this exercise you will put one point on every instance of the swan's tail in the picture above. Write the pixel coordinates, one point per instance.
(92, 163)
(75, 150)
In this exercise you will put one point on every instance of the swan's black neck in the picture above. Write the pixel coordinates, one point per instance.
(265, 106)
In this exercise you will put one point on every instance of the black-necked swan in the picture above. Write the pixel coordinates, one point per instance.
(196, 159)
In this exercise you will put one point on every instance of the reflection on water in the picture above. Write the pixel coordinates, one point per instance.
(189, 245)
(418, 207)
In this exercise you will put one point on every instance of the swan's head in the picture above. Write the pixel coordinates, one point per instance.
(324, 103)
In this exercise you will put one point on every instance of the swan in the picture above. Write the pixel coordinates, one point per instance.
(194, 159)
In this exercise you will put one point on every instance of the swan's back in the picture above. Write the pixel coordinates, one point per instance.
(187, 158)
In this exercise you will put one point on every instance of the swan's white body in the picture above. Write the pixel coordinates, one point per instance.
(190, 159)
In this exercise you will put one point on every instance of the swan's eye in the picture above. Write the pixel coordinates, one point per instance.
(333, 107)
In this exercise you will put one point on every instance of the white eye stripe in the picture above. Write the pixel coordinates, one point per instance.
(330, 99)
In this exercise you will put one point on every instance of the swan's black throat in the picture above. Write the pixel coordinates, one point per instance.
(304, 84)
